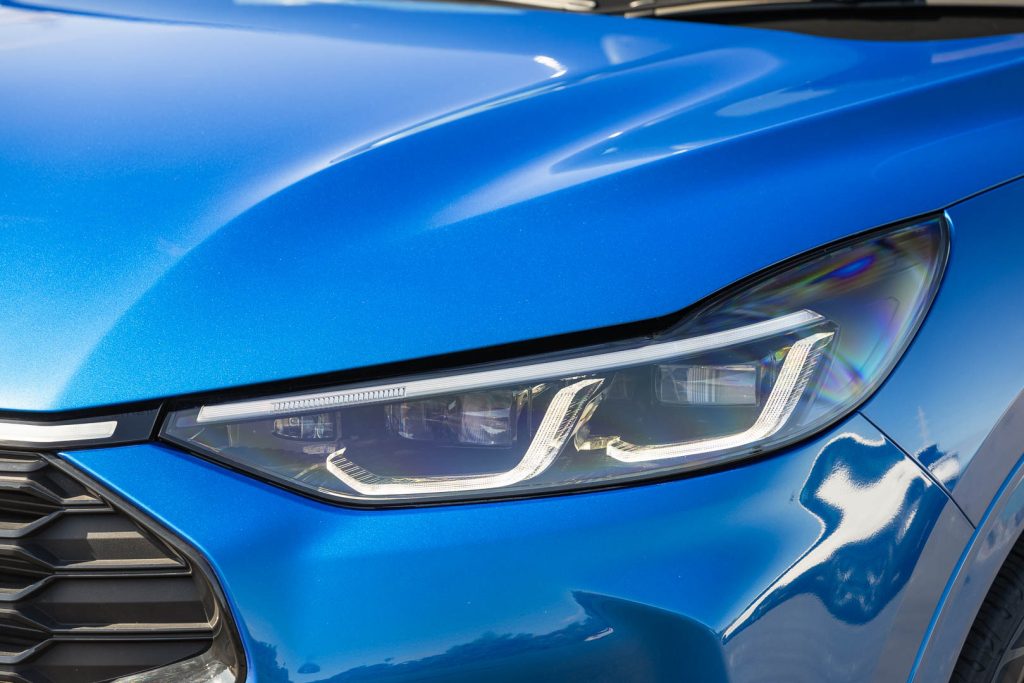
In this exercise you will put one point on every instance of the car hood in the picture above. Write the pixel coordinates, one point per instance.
(204, 195)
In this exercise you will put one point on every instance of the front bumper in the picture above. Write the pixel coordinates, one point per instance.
(821, 563)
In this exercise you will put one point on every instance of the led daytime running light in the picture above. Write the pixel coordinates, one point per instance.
(522, 374)
(800, 363)
(554, 430)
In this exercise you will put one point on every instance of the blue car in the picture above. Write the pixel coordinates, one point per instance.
(403, 341)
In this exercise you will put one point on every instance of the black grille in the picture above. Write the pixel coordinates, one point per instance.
(87, 594)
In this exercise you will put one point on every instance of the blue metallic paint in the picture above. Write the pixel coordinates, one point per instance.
(1000, 528)
(172, 222)
(965, 423)
(725, 576)
(305, 220)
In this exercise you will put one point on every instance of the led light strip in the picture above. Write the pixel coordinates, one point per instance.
(789, 387)
(22, 433)
(554, 430)
(569, 5)
(523, 374)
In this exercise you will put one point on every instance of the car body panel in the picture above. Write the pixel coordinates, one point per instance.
(954, 402)
(204, 203)
(995, 536)
(196, 196)
(727, 576)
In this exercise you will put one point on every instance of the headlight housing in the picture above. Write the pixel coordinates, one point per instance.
(769, 362)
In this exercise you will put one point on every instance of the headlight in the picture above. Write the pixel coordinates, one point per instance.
(768, 363)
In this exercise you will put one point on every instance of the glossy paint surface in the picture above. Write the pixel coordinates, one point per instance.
(208, 195)
(197, 195)
(955, 400)
(997, 532)
(842, 542)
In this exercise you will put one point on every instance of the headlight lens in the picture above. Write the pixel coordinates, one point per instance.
(769, 363)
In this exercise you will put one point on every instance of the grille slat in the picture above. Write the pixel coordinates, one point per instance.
(87, 594)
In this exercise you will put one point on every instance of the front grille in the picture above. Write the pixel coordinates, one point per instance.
(88, 594)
